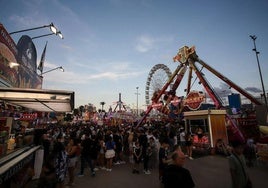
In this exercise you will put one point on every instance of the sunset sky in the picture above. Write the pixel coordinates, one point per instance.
(110, 46)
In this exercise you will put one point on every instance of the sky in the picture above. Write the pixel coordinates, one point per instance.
(110, 46)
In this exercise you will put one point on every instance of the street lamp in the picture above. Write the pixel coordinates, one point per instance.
(137, 100)
(57, 33)
(253, 37)
(61, 68)
(53, 30)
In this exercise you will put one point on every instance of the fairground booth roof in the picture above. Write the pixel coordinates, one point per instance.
(39, 99)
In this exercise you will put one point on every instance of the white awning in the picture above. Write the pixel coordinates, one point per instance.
(39, 99)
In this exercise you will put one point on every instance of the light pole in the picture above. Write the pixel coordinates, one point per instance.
(53, 29)
(253, 37)
(61, 68)
(137, 100)
(57, 33)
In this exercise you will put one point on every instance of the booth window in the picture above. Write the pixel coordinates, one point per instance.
(194, 124)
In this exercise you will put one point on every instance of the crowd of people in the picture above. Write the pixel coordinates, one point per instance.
(68, 149)
(74, 147)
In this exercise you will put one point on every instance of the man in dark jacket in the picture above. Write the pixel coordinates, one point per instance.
(175, 175)
(86, 155)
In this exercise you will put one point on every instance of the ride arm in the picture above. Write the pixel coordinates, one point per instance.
(216, 99)
(189, 80)
(172, 92)
(156, 99)
(229, 82)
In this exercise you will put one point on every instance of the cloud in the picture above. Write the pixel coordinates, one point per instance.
(253, 89)
(68, 47)
(68, 76)
(113, 75)
(223, 90)
(105, 71)
(25, 21)
(144, 43)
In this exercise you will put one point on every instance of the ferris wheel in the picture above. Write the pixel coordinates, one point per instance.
(157, 78)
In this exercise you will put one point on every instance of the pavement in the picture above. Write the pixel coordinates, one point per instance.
(208, 172)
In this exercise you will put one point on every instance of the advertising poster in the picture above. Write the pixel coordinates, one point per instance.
(22, 75)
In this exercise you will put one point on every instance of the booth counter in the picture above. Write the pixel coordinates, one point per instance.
(18, 167)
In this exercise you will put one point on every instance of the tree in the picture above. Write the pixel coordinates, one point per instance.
(102, 104)
(81, 108)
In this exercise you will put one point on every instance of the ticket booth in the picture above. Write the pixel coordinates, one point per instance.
(207, 128)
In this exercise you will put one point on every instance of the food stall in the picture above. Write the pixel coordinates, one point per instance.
(207, 128)
(21, 99)
(19, 152)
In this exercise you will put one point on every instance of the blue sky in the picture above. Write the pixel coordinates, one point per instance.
(110, 46)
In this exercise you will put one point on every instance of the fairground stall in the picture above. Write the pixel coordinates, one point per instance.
(21, 102)
(21, 157)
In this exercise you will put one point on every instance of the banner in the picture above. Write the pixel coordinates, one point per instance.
(42, 61)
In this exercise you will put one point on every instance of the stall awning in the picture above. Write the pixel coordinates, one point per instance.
(40, 100)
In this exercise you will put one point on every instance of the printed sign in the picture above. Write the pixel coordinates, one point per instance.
(24, 54)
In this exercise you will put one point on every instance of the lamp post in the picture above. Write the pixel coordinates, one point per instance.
(53, 29)
(61, 68)
(58, 33)
(253, 37)
(137, 100)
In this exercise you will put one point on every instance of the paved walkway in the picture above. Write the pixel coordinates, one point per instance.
(207, 172)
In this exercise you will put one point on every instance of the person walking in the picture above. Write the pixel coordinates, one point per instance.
(237, 164)
(182, 136)
(143, 140)
(101, 153)
(118, 139)
(175, 175)
(85, 156)
(110, 153)
(72, 150)
(163, 157)
(137, 156)
(189, 145)
(54, 168)
(152, 152)
(130, 146)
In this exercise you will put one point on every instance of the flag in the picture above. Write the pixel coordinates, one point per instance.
(41, 64)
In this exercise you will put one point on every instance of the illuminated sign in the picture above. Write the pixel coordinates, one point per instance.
(194, 100)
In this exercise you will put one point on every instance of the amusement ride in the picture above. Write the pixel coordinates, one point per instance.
(161, 86)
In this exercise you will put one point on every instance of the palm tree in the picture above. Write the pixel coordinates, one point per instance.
(102, 104)
(81, 109)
